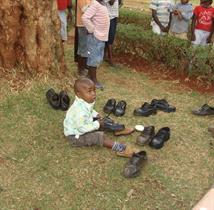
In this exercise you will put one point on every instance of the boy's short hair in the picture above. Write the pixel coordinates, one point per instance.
(204, 1)
(81, 82)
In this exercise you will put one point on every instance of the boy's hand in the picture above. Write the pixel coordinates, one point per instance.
(163, 29)
(209, 39)
(175, 12)
(101, 121)
(193, 37)
(69, 17)
(98, 116)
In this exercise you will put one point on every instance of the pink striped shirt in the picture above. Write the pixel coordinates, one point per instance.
(96, 20)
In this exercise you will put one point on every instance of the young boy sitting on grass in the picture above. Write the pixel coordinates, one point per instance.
(79, 125)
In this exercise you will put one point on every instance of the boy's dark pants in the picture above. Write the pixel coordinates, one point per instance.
(88, 139)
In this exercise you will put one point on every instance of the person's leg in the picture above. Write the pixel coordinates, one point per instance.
(82, 51)
(96, 138)
(204, 36)
(112, 32)
(197, 37)
(92, 73)
(82, 66)
(63, 22)
(95, 57)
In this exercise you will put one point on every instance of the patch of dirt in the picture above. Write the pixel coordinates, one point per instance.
(159, 71)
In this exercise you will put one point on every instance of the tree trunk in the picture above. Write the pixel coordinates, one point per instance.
(29, 36)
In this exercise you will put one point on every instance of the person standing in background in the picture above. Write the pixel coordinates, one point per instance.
(62, 5)
(113, 10)
(82, 52)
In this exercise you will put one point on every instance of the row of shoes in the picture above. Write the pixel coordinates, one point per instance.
(149, 137)
(145, 110)
(148, 109)
(58, 100)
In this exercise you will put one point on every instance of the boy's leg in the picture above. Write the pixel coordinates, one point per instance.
(63, 21)
(88, 139)
(82, 51)
(95, 57)
(112, 32)
(199, 39)
(96, 138)
(82, 66)
(92, 73)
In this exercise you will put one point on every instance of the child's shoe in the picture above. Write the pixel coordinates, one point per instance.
(126, 131)
(128, 152)
(53, 98)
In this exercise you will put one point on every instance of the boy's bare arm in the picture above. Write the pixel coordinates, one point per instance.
(193, 28)
(170, 18)
(155, 18)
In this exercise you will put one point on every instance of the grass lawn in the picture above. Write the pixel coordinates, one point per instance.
(39, 169)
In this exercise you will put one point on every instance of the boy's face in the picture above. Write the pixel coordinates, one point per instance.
(87, 92)
(206, 3)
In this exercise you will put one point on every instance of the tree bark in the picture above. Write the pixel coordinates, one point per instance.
(29, 36)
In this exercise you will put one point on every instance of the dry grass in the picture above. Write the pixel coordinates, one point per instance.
(38, 168)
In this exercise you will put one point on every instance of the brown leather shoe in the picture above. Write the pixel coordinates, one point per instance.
(128, 152)
(126, 131)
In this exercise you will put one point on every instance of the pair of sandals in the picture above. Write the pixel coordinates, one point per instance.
(58, 101)
(155, 141)
(118, 109)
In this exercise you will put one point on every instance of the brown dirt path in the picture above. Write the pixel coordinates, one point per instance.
(158, 71)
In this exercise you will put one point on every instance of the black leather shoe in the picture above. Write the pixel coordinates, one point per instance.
(145, 110)
(53, 98)
(162, 135)
(146, 136)
(162, 105)
(64, 101)
(110, 125)
(204, 110)
(120, 108)
(133, 167)
(109, 106)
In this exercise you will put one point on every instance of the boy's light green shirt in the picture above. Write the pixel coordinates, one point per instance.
(79, 118)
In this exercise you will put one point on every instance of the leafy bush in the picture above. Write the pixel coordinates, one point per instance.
(173, 52)
(136, 17)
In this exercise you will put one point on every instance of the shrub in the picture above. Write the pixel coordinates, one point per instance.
(136, 17)
(173, 52)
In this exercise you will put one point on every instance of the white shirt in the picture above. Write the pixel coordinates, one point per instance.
(113, 10)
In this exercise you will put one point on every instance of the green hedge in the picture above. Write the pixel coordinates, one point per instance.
(173, 52)
(136, 17)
